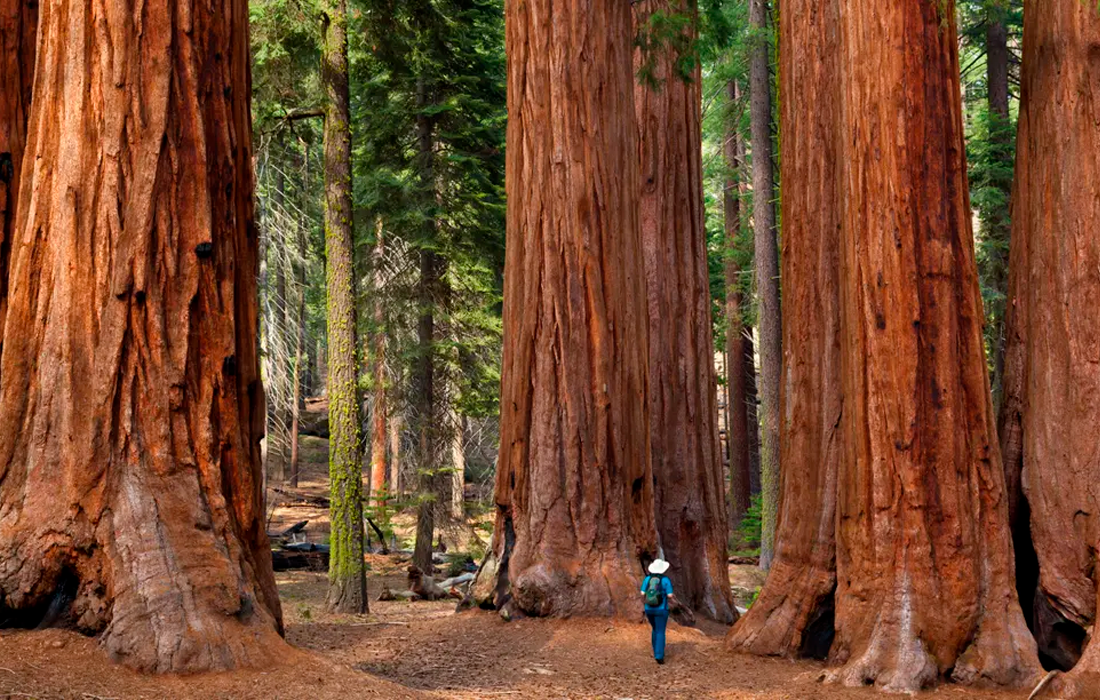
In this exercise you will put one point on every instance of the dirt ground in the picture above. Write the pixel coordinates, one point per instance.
(427, 650)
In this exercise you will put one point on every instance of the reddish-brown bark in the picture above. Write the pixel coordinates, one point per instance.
(378, 489)
(18, 23)
(793, 615)
(1052, 374)
(574, 483)
(131, 409)
(924, 558)
(689, 494)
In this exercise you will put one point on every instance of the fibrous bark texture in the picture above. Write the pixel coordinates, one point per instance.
(347, 577)
(574, 484)
(738, 336)
(770, 320)
(18, 24)
(689, 493)
(793, 615)
(924, 557)
(1052, 375)
(131, 409)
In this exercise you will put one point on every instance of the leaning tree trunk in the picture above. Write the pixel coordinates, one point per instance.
(131, 405)
(738, 427)
(924, 556)
(769, 316)
(1052, 378)
(689, 495)
(18, 24)
(574, 484)
(347, 578)
(793, 616)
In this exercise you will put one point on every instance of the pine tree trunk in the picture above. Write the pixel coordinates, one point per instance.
(395, 427)
(131, 367)
(277, 443)
(458, 469)
(299, 342)
(347, 582)
(1052, 376)
(574, 493)
(924, 556)
(378, 341)
(793, 615)
(688, 486)
(18, 24)
(738, 427)
(767, 274)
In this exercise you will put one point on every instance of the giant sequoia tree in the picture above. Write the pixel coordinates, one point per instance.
(131, 409)
(574, 484)
(683, 412)
(924, 558)
(793, 614)
(1052, 375)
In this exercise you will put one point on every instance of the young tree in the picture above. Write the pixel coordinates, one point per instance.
(131, 405)
(347, 577)
(683, 412)
(770, 320)
(924, 557)
(18, 24)
(574, 492)
(793, 616)
(1052, 379)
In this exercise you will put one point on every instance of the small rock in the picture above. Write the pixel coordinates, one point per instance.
(55, 644)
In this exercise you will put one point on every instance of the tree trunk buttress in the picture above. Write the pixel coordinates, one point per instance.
(18, 25)
(1052, 376)
(131, 501)
(689, 493)
(574, 486)
(924, 556)
(769, 317)
(793, 615)
(738, 427)
(347, 578)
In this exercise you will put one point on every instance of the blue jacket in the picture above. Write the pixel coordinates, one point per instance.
(668, 591)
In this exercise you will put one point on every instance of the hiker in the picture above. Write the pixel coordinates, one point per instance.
(657, 590)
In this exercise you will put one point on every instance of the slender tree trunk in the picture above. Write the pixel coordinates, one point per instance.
(136, 219)
(924, 556)
(996, 221)
(1052, 376)
(18, 24)
(347, 582)
(737, 401)
(767, 273)
(689, 495)
(574, 485)
(299, 342)
(278, 328)
(458, 469)
(378, 418)
(395, 427)
(793, 615)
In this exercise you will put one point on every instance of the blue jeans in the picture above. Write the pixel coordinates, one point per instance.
(658, 619)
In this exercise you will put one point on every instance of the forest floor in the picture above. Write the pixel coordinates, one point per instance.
(427, 650)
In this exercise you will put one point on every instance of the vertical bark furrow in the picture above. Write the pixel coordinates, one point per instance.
(132, 411)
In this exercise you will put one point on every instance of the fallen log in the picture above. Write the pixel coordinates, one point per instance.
(292, 560)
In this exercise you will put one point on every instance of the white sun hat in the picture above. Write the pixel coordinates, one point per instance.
(658, 567)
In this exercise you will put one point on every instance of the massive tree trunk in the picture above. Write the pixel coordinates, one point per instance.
(769, 317)
(689, 496)
(924, 557)
(793, 616)
(738, 427)
(18, 24)
(131, 405)
(574, 484)
(1052, 377)
(347, 579)
(378, 489)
